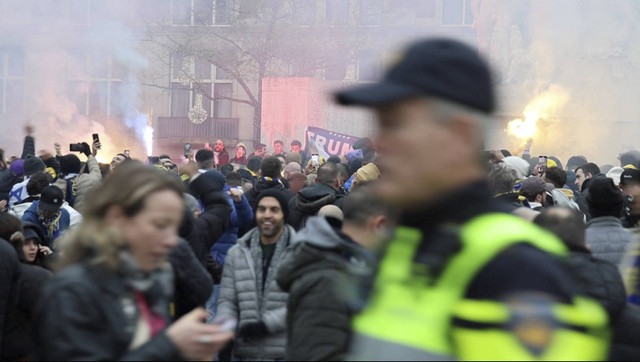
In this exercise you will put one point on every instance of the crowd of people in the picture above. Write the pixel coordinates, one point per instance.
(378, 254)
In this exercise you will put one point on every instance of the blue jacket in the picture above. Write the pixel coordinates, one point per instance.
(241, 217)
(31, 215)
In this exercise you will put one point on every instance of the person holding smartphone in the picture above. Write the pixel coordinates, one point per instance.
(110, 300)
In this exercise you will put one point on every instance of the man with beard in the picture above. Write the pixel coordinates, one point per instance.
(249, 292)
(221, 154)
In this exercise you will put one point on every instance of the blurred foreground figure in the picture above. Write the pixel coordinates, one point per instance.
(111, 300)
(461, 279)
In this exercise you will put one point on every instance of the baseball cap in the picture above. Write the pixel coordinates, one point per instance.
(629, 176)
(443, 68)
(51, 198)
(534, 186)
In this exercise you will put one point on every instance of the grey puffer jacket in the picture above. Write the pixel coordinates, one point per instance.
(607, 238)
(241, 295)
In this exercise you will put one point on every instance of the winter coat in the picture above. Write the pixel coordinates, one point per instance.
(75, 217)
(31, 215)
(193, 285)
(86, 313)
(10, 272)
(297, 180)
(309, 201)
(241, 216)
(202, 232)
(242, 160)
(7, 180)
(85, 182)
(560, 199)
(315, 272)
(262, 185)
(18, 341)
(223, 157)
(581, 200)
(241, 296)
(607, 239)
(600, 280)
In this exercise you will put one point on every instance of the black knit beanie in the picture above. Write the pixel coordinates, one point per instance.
(278, 195)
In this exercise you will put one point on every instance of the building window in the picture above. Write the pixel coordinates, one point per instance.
(181, 12)
(11, 81)
(337, 12)
(194, 76)
(222, 74)
(419, 8)
(369, 66)
(457, 12)
(222, 107)
(202, 12)
(154, 11)
(370, 12)
(197, 12)
(179, 100)
(222, 12)
(304, 11)
(96, 85)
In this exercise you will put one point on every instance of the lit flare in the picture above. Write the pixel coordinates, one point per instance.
(541, 107)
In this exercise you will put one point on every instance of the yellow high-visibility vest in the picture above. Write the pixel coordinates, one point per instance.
(410, 317)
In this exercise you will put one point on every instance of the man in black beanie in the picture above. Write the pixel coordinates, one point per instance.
(606, 236)
(249, 292)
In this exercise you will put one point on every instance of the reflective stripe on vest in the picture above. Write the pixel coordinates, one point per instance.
(410, 310)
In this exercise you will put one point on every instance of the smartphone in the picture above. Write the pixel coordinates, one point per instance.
(127, 153)
(187, 150)
(96, 138)
(542, 164)
(315, 159)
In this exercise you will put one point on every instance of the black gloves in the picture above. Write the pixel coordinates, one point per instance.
(86, 149)
(253, 330)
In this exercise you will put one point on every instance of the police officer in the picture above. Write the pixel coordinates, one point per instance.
(461, 279)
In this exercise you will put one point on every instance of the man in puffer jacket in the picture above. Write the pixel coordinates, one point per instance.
(606, 236)
(249, 292)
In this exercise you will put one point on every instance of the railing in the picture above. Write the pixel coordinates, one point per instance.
(182, 127)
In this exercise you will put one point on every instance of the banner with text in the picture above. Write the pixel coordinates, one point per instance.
(332, 143)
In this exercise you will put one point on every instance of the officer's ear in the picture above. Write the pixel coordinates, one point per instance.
(377, 222)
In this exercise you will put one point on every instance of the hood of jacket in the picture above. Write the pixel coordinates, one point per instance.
(568, 193)
(312, 198)
(316, 247)
(263, 184)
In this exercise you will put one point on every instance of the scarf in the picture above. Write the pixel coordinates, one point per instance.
(152, 291)
(51, 225)
(271, 179)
